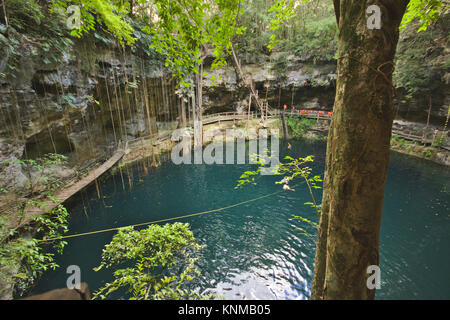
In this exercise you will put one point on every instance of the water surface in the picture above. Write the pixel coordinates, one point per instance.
(253, 251)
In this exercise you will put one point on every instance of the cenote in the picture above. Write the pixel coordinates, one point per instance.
(254, 251)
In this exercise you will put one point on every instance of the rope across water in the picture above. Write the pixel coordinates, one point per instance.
(161, 220)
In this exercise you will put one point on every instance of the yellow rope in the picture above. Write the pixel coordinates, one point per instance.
(162, 220)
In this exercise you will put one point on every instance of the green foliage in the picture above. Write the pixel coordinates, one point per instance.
(427, 154)
(24, 14)
(420, 58)
(311, 35)
(439, 141)
(414, 148)
(301, 127)
(42, 168)
(418, 55)
(306, 222)
(306, 29)
(252, 43)
(426, 11)
(397, 141)
(179, 29)
(290, 171)
(111, 14)
(280, 65)
(185, 27)
(317, 40)
(284, 11)
(249, 177)
(32, 31)
(156, 255)
(299, 168)
(143, 45)
(22, 258)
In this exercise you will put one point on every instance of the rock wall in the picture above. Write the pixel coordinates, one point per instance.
(303, 85)
(82, 105)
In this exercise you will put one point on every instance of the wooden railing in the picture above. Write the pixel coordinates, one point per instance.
(225, 116)
(232, 116)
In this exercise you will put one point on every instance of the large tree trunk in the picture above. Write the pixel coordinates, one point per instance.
(357, 151)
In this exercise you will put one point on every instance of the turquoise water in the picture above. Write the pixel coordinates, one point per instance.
(253, 251)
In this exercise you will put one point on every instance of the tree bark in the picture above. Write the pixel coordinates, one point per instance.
(198, 110)
(183, 123)
(357, 151)
(249, 106)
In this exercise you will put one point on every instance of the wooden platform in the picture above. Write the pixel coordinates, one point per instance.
(411, 137)
(73, 189)
(233, 116)
(223, 117)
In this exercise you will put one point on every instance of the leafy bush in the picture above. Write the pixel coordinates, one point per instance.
(156, 254)
(31, 31)
(38, 173)
(397, 141)
(317, 40)
(419, 62)
(439, 141)
(24, 14)
(22, 258)
(309, 32)
(301, 127)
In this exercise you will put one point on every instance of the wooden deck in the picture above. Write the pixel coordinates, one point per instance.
(74, 188)
(411, 137)
(226, 116)
(233, 116)
(415, 138)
